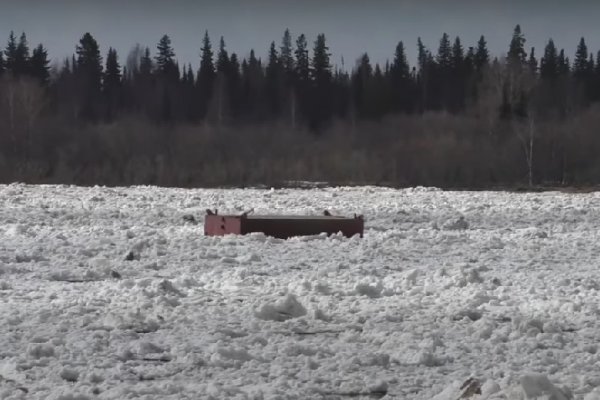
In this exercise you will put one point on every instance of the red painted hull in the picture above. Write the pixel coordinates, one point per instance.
(282, 227)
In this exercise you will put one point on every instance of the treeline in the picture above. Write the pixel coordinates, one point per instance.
(459, 118)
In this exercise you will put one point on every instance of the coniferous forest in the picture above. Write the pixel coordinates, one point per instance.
(460, 118)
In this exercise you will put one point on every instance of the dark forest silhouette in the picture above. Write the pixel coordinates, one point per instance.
(459, 118)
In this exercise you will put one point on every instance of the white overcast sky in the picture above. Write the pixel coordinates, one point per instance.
(351, 27)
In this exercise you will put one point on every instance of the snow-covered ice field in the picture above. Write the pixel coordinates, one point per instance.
(113, 294)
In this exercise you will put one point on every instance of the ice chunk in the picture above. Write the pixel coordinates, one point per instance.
(537, 386)
(69, 374)
(41, 350)
(283, 310)
(456, 224)
(369, 289)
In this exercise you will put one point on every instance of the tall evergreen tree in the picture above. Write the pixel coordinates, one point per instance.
(532, 62)
(222, 57)
(234, 84)
(444, 55)
(39, 65)
(482, 55)
(273, 81)
(321, 74)
(89, 62)
(166, 65)
(458, 80)
(206, 75)
(89, 76)
(400, 68)
(286, 57)
(21, 62)
(112, 72)
(302, 59)
(564, 65)
(580, 64)
(516, 52)
(401, 93)
(146, 64)
(112, 83)
(422, 55)
(361, 81)
(549, 68)
(11, 53)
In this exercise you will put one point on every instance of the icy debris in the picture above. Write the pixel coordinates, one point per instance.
(16, 230)
(41, 350)
(378, 388)
(322, 288)
(410, 279)
(5, 285)
(533, 233)
(375, 359)
(594, 395)
(469, 389)
(8, 371)
(168, 287)
(484, 328)
(536, 387)
(429, 359)
(282, 310)
(70, 396)
(189, 218)
(135, 252)
(149, 348)
(372, 290)
(69, 374)
(472, 314)
(96, 378)
(456, 224)
(321, 315)
(231, 353)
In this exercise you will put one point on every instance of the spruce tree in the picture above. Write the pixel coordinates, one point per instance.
(516, 52)
(458, 56)
(302, 59)
(444, 55)
(321, 65)
(482, 55)
(321, 75)
(234, 84)
(273, 82)
(146, 64)
(361, 80)
(222, 57)
(564, 66)
(89, 62)
(21, 62)
(190, 75)
(549, 63)
(532, 62)
(166, 66)
(286, 57)
(580, 64)
(458, 81)
(206, 75)
(400, 68)
(112, 72)
(39, 65)
(88, 72)
(11, 53)
(112, 83)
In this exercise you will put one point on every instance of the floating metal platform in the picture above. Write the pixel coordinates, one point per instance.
(282, 226)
